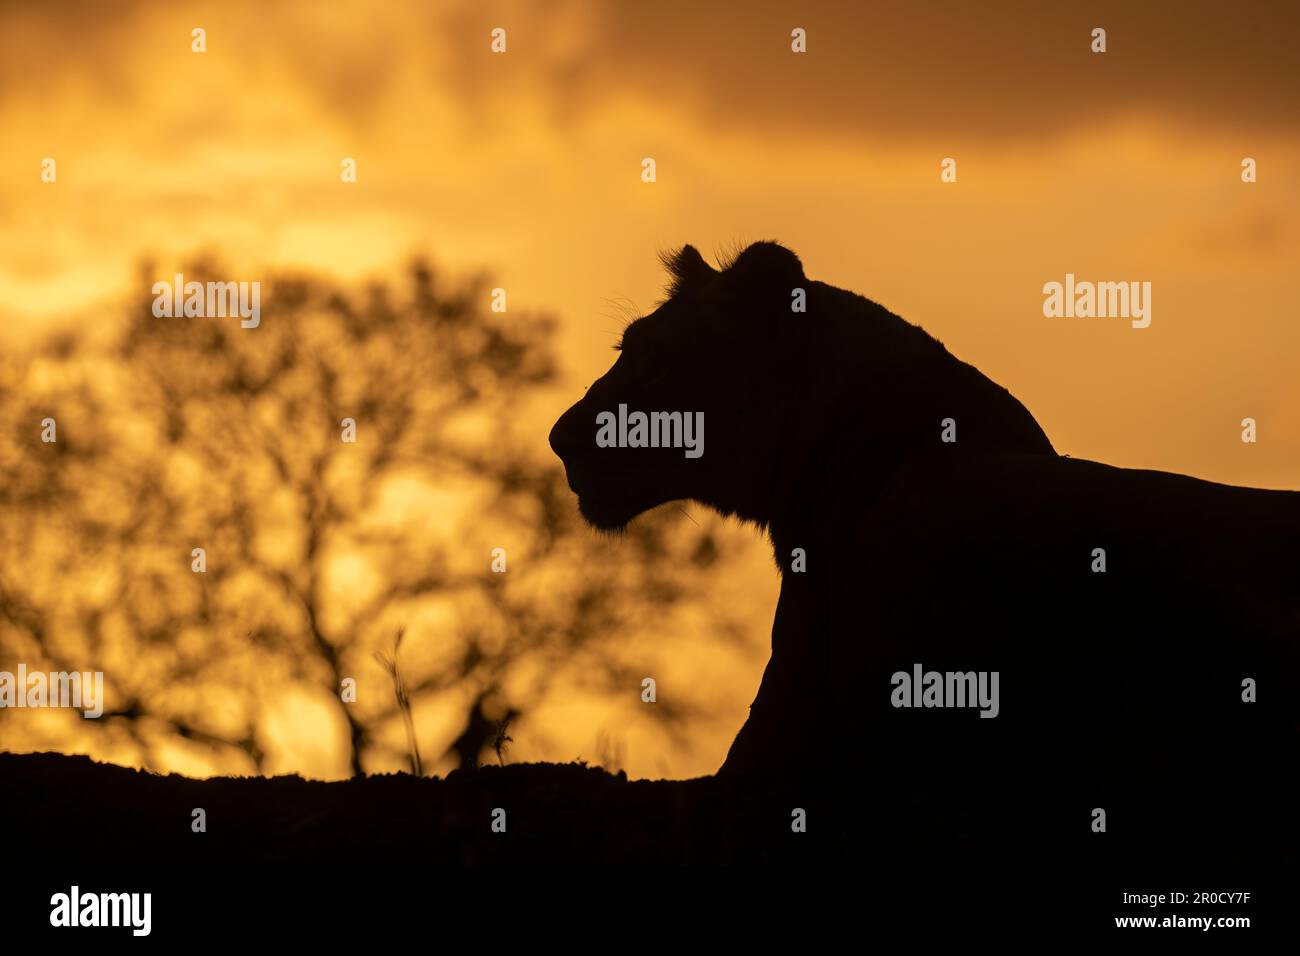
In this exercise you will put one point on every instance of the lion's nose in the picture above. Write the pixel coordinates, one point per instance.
(565, 435)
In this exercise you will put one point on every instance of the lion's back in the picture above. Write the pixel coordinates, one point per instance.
(1112, 602)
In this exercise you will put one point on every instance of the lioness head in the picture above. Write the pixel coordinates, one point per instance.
(690, 407)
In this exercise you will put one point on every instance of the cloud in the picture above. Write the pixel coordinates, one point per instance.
(921, 69)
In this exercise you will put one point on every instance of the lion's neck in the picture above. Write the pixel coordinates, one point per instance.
(882, 395)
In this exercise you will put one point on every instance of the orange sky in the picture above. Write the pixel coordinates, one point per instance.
(1120, 166)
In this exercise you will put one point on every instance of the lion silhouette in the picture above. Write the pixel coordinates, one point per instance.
(1137, 622)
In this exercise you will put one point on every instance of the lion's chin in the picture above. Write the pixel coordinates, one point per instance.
(614, 515)
(604, 516)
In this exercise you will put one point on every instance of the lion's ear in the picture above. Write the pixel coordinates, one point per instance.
(766, 268)
(687, 269)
